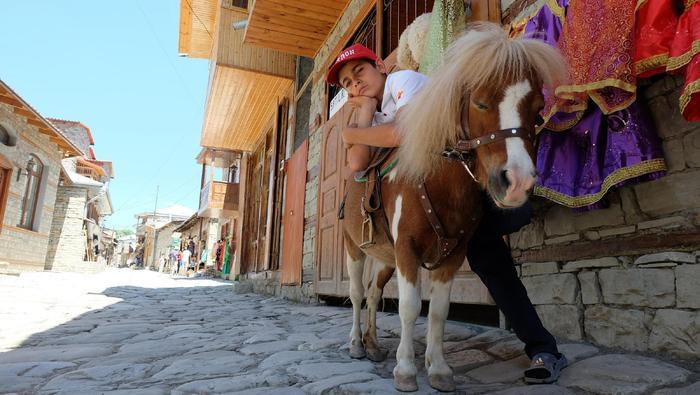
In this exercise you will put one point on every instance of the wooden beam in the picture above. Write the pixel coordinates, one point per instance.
(23, 112)
(633, 245)
(11, 101)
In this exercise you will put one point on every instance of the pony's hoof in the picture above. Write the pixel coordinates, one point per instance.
(376, 354)
(442, 382)
(405, 383)
(357, 352)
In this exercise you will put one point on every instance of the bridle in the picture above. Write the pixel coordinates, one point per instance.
(464, 151)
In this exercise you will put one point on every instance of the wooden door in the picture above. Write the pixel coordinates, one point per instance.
(328, 227)
(279, 185)
(293, 218)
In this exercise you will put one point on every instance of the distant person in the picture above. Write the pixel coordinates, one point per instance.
(186, 254)
(161, 262)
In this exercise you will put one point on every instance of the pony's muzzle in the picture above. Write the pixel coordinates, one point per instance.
(510, 187)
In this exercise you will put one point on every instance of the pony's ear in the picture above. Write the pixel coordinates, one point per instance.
(464, 115)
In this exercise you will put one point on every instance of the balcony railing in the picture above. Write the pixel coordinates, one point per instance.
(218, 198)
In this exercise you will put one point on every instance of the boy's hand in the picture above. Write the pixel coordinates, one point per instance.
(363, 103)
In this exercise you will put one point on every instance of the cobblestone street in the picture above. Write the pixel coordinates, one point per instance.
(125, 331)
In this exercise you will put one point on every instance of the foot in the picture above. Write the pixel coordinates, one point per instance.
(545, 368)
(442, 382)
(405, 383)
(357, 352)
(376, 354)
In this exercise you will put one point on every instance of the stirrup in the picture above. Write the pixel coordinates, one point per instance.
(367, 221)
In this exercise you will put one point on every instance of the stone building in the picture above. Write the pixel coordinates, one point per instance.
(157, 227)
(624, 276)
(31, 150)
(77, 241)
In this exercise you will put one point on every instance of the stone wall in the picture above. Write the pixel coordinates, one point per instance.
(22, 249)
(268, 283)
(644, 303)
(67, 240)
(626, 276)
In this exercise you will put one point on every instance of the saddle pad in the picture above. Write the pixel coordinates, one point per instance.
(362, 177)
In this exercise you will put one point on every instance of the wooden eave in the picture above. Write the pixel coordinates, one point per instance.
(239, 105)
(231, 50)
(45, 127)
(298, 27)
(197, 28)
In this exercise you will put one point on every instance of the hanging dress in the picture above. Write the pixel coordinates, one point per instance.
(655, 28)
(591, 152)
(684, 59)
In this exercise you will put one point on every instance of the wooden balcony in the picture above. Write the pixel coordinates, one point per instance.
(294, 26)
(218, 198)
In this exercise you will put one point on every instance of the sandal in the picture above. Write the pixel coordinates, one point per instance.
(545, 368)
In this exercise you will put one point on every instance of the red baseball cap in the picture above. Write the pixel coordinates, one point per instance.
(353, 52)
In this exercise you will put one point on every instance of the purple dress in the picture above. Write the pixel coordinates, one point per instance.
(579, 164)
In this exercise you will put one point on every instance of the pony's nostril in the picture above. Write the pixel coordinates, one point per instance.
(504, 178)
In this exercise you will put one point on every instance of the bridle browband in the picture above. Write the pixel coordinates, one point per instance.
(464, 150)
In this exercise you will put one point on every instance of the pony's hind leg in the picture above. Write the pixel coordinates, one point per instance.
(440, 374)
(381, 274)
(357, 291)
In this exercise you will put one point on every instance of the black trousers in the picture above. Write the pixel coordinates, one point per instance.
(490, 258)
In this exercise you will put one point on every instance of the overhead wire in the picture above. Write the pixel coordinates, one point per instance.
(182, 83)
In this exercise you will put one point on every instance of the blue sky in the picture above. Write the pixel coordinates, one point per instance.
(114, 66)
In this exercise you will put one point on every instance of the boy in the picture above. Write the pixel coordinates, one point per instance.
(377, 99)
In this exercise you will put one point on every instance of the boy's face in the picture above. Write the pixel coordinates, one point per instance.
(361, 78)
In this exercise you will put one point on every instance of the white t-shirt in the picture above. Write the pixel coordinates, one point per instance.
(399, 88)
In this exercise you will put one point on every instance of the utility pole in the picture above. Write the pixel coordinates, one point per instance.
(155, 230)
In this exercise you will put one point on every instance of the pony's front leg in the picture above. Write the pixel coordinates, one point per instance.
(357, 292)
(409, 309)
(440, 374)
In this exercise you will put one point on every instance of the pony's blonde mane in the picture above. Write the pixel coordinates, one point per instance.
(482, 56)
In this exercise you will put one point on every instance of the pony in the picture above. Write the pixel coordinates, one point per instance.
(480, 107)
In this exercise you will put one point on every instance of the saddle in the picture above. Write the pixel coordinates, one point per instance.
(382, 161)
(371, 207)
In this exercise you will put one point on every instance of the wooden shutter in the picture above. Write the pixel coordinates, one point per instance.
(293, 219)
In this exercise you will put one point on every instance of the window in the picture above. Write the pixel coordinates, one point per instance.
(397, 15)
(5, 173)
(6, 138)
(34, 172)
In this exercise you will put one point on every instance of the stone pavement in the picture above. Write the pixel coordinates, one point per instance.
(126, 332)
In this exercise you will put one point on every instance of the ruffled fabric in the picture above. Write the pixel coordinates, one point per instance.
(581, 155)
(655, 28)
(684, 59)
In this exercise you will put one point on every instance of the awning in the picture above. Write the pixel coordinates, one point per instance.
(294, 26)
(239, 106)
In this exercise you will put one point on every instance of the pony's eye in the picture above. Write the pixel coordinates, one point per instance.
(481, 106)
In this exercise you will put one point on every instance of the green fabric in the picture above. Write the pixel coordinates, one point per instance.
(446, 22)
(227, 261)
(382, 173)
